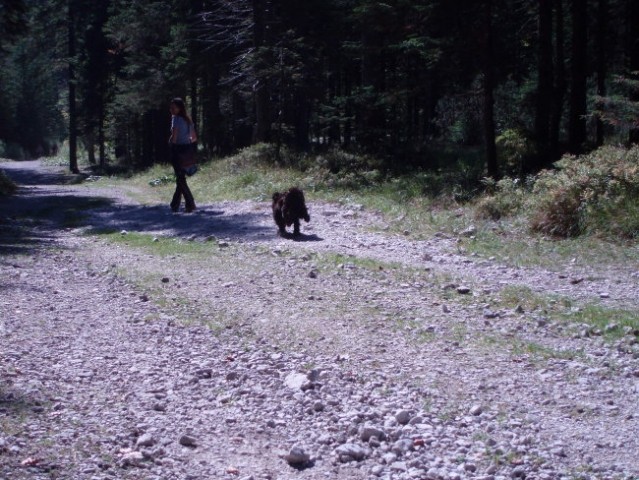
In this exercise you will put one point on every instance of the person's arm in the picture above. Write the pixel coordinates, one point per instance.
(192, 133)
(173, 137)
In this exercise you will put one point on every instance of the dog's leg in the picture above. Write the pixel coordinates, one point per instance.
(296, 227)
(279, 221)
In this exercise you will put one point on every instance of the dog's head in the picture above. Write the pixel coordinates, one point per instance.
(278, 199)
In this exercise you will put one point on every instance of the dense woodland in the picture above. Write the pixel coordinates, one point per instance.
(400, 80)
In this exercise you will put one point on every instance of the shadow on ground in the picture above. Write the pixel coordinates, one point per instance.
(32, 217)
(207, 221)
(46, 203)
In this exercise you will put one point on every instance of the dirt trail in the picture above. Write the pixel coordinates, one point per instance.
(222, 361)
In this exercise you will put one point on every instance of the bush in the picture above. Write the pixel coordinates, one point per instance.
(12, 151)
(594, 193)
(7, 187)
(504, 198)
(513, 148)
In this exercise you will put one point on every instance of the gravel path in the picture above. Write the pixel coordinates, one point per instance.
(210, 348)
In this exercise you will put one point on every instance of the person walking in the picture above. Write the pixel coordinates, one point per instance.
(182, 138)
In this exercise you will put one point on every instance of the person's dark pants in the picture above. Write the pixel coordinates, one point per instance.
(181, 187)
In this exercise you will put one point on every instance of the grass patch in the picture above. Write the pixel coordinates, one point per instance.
(542, 352)
(160, 246)
(533, 350)
(422, 203)
(530, 301)
(336, 260)
(511, 245)
(611, 323)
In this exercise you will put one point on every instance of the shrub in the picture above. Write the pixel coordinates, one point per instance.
(558, 213)
(595, 193)
(7, 187)
(513, 148)
(503, 198)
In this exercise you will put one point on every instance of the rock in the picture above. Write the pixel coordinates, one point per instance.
(188, 441)
(400, 447)
(403, 417)
(351, 451)
(476, 410)
(469, 231)
(132, 459)
(297, 457)
(296, 381)
(368, 431)
(463, 290)
(488, 313)
(145, 440)
(518, 472)
(470, 467)
(398, 467)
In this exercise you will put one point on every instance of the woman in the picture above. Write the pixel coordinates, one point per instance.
(182, 136)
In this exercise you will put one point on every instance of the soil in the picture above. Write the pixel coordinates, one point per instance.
(136, 343)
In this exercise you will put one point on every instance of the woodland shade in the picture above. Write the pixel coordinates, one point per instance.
(401, 80)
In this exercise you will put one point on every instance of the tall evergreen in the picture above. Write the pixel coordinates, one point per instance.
(400, 79)
(578, 77)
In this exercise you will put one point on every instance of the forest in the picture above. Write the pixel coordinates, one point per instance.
(507, 85)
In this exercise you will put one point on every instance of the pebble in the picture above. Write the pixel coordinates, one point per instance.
(403, 417)
(145, 440)
(297, 456)
(350, 451)
(366, 394)
(188, 441)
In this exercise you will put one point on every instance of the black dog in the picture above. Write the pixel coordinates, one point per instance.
(288, 208)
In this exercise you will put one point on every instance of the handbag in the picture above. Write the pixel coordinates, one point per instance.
(187, 159)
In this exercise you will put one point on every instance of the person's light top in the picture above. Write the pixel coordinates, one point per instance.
(183, 130)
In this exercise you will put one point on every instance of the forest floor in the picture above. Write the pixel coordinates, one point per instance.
(140, 344)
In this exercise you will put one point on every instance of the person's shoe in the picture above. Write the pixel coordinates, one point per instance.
(189, 209)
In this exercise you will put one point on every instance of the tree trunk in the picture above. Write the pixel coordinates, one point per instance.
(212, 131)
(579, 73)
(73, 114)
(559, 90)
(371, 117)
(489, 84)
(195, 105)
(633, 56)
(544, 86)
(262, 130)
(602, 27)
(101, 139)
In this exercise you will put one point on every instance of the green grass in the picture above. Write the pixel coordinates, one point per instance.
(511, 243)
(535, 350)
(336, 260)
(160, 246)
(420, 204)
(611, 322)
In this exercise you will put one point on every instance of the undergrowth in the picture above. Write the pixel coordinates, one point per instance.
(7, 187)
(593, 194)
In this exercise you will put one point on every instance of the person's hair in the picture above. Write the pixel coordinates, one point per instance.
(178, 102)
